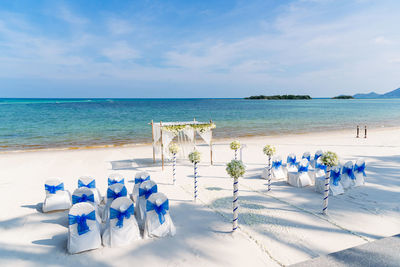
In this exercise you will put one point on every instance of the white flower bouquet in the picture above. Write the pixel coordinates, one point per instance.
(173, 148)
(269, 150)
(330, 159)
(195, 156)
(235, 168)
(235, 145)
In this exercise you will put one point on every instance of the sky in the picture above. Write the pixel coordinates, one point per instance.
(205, 48)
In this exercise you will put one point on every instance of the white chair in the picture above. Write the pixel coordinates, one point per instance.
(140, 177)
(115, 178)
(90, 183)
(348, 177)
(145, 190)
(317, 155)
(122, 228)
(84, 194)
(306, 155)
(158, 219)
(359, 172)
(320, 169)
(114, 191)
(56, 197)
(83, 229)
(335, 187)
(301, 177)
(291, 164)
(277, 169)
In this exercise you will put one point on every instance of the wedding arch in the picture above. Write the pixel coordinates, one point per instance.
(183, 133)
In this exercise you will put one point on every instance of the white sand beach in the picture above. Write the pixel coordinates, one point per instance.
(281, 227)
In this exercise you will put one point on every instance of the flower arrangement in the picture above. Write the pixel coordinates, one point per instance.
(330, 159)
(235, 168)
(235, 145)
(195, 156)
(202, 127)
(269, 150)
(174, 128)
(173, 148)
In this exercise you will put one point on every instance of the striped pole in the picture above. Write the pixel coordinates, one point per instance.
(195, 181)
(269, 173)
(235, 154)
(235, 205)
(326, 192)
(174, 169)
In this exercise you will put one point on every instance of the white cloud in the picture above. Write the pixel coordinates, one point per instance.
(120, 51)
(67, 15)
(382, 40)
(119, 26)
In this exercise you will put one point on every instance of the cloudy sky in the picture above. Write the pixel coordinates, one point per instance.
(198, 48)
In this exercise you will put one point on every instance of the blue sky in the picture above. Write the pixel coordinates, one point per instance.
(198, 48)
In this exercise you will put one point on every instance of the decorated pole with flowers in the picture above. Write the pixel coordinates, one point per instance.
(235, 145)
(269, 151)
(329, 159)
(195, 157)
(173, 149)
(235, 169)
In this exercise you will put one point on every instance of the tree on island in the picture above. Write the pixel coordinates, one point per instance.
(279, 97)
(343, 97)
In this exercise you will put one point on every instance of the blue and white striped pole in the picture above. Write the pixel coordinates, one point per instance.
(174, 169)
(235, 154)
(326, 191)
(235, 205)
(195, 181)
(269, 173)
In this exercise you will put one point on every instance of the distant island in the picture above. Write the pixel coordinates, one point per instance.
(278, 97)
(343, 97)
(392, 94)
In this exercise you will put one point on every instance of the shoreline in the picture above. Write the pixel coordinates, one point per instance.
(221, 139)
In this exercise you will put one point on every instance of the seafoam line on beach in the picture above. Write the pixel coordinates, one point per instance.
(252, 238)
(320, 216)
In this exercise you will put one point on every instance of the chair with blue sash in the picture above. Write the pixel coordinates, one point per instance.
(348, 177)
(145, 190)
(115, 178)
(359, 172)
(114, 191)
(158, 219)
(121, 227)
(140, 177)
(317, 155)
(277, 169)
(291, 164)
(84, 194)
(335, 187)
(306, 155)
(90, 183)
(300, 178)
(56, 197)
(83, 229)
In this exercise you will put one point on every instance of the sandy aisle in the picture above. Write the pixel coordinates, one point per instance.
(283, 226)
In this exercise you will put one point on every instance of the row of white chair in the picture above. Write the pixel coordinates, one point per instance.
(146, 209)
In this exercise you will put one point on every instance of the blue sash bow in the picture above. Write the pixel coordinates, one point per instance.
(335, 176)
(303, 169)
(160, 210)
(349, 172)
(276, 164)
(317, 156)
(83, 198)
(113, 195)
(147, 193)
(92, 184)
(121, 215)
(320, 166)
(360, 169)
(308, 157)
(83, 228)
(111, 182)
(52, 189)
(141, 180)
(291, 161)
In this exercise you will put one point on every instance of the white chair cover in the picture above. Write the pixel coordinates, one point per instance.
(291, 163)
(115, 178)
(359, 172)
(123, 231)
(317, 155)
(301, 177)
(335, 187)
(83, 234)
(145, 190)
(114, 191)
(348, 178)
(306, 155)
(158, 219)
(140, 177)
(84, 194)
(90, 182)
(56, 197)
(277, 169)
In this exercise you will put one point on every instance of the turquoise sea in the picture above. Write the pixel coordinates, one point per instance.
(53, 123)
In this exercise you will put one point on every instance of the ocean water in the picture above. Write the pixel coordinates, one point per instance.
(59, 123)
